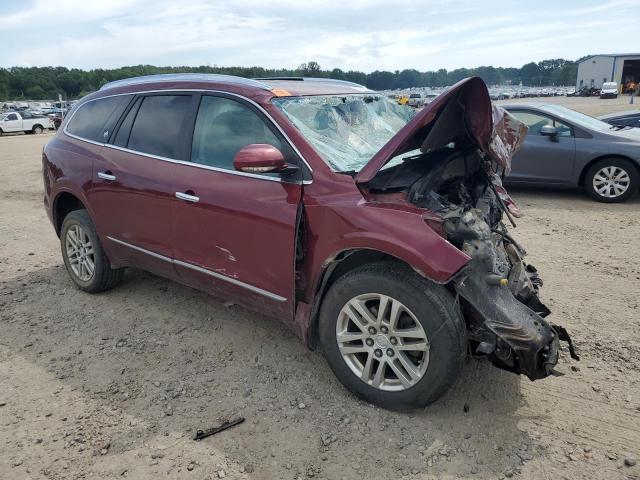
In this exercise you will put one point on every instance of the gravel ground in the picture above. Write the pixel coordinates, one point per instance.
(114, 385)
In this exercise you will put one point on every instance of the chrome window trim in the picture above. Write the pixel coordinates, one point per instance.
(198, 165)
(190, 90)
(75, 108)
(217, 275)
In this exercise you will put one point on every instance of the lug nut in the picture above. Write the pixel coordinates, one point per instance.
(369, 342)
(390, 352)
(372, 330)
(393, 340)
(384, 329)
(378, 352)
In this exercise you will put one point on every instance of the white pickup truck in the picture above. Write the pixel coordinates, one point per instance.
(23, 122)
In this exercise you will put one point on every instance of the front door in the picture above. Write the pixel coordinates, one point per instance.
(543, 159)
(133, 192)
(11, 123)
(235, 232)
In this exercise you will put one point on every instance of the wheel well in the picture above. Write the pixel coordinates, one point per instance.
(586, 168)
(65, 204)
(342, 264)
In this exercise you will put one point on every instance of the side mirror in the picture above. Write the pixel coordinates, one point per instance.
(261, 158)
(549, 131)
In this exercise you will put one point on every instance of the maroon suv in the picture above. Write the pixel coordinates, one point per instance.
(372, 231)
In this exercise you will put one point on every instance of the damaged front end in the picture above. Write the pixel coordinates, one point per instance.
(455, 172)
(499, 291)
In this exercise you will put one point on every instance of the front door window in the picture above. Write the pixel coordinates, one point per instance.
(223, 127)
(535, 122)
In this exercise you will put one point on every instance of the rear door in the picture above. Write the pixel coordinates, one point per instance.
(133, 193)
(543, 159)
(235, 236)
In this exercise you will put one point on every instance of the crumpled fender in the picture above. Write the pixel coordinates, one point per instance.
(531, 337)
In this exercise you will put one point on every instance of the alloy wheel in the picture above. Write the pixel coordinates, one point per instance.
(611, 182)
(382, 342)
(80, 253)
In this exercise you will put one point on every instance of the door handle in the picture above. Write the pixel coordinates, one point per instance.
(106, 176)
(186, 197)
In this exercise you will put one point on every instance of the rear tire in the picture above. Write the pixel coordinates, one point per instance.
(425, 306)
(83, 256)
(37, 130)
(612, 180)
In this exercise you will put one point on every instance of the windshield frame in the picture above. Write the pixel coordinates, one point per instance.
(335, 100)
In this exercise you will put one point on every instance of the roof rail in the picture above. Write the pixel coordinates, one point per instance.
(291, 79)
(194, 77)
(313, 79)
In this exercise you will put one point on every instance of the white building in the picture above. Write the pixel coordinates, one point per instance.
(594, 70)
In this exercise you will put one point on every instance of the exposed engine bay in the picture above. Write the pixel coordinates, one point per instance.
(497, 289)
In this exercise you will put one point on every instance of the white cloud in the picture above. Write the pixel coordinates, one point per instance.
(360, 34)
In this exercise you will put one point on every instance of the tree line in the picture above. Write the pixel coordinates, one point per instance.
(40, 83)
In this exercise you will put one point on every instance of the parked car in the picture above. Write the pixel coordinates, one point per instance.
(403, 99)
(571, 149)
(585, 92)
(373, 231)
(609, 90)
(56, 118)
(629, 118)
(416, 100)
(23, 122)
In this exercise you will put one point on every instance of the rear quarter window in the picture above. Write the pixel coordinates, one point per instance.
(94, 119)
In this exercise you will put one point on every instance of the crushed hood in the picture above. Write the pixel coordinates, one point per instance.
(461, 113)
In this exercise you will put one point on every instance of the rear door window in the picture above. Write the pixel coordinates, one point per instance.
(93, 120)
(160, 125)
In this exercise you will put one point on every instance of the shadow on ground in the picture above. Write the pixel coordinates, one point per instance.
(181, 361)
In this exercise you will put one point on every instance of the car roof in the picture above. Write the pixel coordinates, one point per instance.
(277, 86)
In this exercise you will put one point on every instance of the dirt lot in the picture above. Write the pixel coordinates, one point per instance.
(114, 385)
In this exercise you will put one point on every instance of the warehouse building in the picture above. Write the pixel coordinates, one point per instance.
(594, 70)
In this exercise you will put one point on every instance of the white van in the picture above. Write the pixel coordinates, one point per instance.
(609, 90)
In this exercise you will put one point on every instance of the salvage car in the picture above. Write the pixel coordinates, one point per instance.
(565, 148)
(376, 233)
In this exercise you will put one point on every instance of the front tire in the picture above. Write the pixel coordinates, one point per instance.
(612, 180)
(83, 256)
(391, 337)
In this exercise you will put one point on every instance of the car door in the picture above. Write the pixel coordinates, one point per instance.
(133, 190)
(11, 123)
(543, 159)
(235, 232)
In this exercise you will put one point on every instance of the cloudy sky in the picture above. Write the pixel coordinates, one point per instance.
(354, 34)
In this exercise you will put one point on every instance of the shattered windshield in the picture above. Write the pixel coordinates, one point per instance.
(346, 130)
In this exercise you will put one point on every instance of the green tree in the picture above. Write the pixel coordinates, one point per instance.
(530, 74)
(35, 93)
